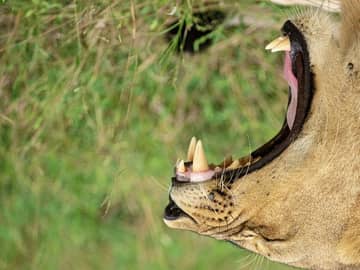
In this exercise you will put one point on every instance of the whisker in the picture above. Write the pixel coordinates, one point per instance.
(252, 258)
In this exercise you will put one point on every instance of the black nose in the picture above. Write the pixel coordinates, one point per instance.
(174, 181)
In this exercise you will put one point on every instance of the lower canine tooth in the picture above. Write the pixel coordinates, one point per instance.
(191, 149)
(200, 163)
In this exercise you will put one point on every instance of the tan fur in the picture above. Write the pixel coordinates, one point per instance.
(350, 27)
(349, 245)
(303, 208)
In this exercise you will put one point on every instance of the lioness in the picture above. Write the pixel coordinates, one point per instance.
(296, 199)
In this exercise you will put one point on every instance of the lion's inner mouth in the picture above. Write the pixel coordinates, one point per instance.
(299, 77)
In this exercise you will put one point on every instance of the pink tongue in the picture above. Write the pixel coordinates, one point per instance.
(293, 83)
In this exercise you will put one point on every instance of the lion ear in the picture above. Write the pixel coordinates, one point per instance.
(350, 23)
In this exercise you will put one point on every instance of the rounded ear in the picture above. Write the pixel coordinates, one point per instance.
(350, 23)
(329, 5)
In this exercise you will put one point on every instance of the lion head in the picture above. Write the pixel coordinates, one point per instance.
(296, 199)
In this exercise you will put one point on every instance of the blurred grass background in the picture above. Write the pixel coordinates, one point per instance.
(96, 106)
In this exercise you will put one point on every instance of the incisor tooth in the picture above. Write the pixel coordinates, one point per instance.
(279, 44)
(181, 167)
(191, 149)
(234, 165)
(200, 163)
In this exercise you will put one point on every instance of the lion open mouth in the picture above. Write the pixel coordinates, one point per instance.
(298, 74)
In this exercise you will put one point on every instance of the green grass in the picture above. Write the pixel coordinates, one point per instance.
(95, 108)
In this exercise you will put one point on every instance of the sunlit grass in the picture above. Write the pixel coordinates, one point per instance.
(95, 107)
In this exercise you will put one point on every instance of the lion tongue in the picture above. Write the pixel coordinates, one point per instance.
(293, 83)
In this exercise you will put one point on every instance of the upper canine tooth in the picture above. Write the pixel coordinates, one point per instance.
(191, 149)
(279, 44)
(181, 167)
(200, 163)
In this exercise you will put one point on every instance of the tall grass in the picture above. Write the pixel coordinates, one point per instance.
(95, 107)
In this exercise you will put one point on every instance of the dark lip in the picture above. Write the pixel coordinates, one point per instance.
(269, 151)
(173, 212)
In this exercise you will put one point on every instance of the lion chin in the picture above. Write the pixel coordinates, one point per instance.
(296, 199)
